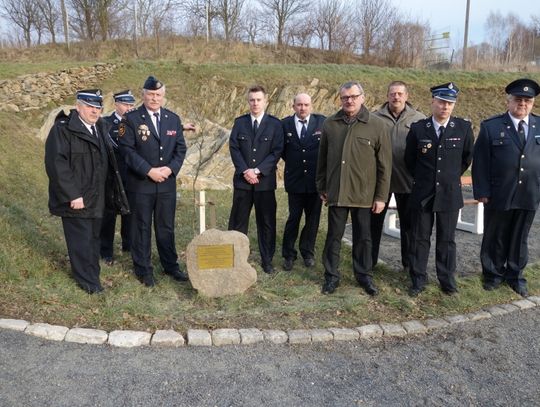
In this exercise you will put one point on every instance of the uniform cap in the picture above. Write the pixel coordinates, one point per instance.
(90, 97)
(447, 92)
(523, 87)
(124, 97)
(152, 83)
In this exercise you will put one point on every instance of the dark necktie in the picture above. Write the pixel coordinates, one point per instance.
(94, 132)
(441, 132)
(156, 115)
(303, 132)
(255, 127)
(521, 132)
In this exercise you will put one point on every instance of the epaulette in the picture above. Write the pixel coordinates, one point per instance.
(462, 118)
(497, 116)
(169, 111)
(131, 110)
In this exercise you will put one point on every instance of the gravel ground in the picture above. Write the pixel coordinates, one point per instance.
(493, 362)
(468, 246)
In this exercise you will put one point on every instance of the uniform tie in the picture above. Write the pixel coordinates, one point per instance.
(94, 132)
(156, 115)
(303, 132)
(521, 132)
(255, 127)
(441, 131)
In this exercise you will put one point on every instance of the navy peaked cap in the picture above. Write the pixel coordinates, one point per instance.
(91, 97)
(152, 83)
(523, 87)
(447, 92)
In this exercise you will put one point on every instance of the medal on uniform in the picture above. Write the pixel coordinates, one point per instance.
(144, 132)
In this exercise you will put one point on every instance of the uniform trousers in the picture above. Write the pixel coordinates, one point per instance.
(445, 247)
(361, 234)
(504, 253)
(108, 227)
(310, 204)
(82, 241)
(377, 223)
(161, 207)
(265, 216)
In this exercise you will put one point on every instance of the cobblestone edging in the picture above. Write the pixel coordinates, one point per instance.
(222, 337)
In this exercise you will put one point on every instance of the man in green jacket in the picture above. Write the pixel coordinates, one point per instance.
(398, 114)
(353, 175)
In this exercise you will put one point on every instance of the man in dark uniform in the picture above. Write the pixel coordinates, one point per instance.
(301, 147)
(506, 172)
(79, 159)
(123, 101)
(255, 145)
(438, 150)
(398, 114)
(152, 143)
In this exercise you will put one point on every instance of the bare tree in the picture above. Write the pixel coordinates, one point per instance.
(405, 44)
(229, 13)
(22, 13)
(82, 18)
(48, 12)
(374, 17)
(201, 15)
(281, 12)
(251, 23)
(332, 25)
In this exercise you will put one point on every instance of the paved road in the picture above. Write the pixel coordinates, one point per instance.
(493, 362)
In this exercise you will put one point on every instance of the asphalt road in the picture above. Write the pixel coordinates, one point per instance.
(492, 362)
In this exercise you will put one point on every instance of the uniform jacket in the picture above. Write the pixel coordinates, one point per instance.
(144, 149)
(437, 165)
(81, 165)
(401, 181)
(114, 123)
(355, 160)
(503, 170)
(300, 156)
(261, 151)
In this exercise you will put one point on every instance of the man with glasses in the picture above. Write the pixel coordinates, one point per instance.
(437, 152)
(78, 160)
(353, 176)
(506, 176)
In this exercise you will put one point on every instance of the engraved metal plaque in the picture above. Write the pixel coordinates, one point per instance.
(215, 256)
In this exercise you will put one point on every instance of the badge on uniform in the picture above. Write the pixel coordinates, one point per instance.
(144, 132)
(171, 133)
(121, 129)
(426, 148)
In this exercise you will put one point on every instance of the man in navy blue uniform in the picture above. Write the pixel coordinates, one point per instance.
(83, 179)
(438, 150)
(255, 144)
(123, 101)
(153, 146)
(301, 148)
(506, 174)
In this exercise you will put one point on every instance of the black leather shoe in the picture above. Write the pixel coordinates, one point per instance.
(309, 262)
(449, 291)
(415, 291)
(521, 290)
(108, 261)
(490, 285)
(288, 264)
(147, 280)
(329, 287)
(369, 288)
(178, 275)
(95, 290)
(268, 268)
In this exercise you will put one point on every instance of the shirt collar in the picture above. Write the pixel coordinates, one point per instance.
(258, 118)
(297, 119)
(516, 121)
(436, 124)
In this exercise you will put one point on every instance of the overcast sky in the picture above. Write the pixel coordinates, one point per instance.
(450, 15)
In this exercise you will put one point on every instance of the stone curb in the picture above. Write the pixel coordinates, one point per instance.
(226, 336)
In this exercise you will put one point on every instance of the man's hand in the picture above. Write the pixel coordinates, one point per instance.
(157, 175)
(77, 203)
(189, 127)
(324, 197)
(377, 207)
(483, 200)
(250, 176)
(166, 171)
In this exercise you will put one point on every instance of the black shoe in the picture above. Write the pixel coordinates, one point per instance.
(490, 285)
(521, 290)
(178, 275)
(449, 291)
(268, 268)
(329, 287)
(288, 264)
(147, 280)
(414, 291)
(95, 290)
(369, 288)
(309, 262)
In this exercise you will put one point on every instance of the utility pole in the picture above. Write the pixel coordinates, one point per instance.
(466, 36)
(65, 22)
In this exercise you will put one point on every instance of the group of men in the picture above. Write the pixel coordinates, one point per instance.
(352, 161)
